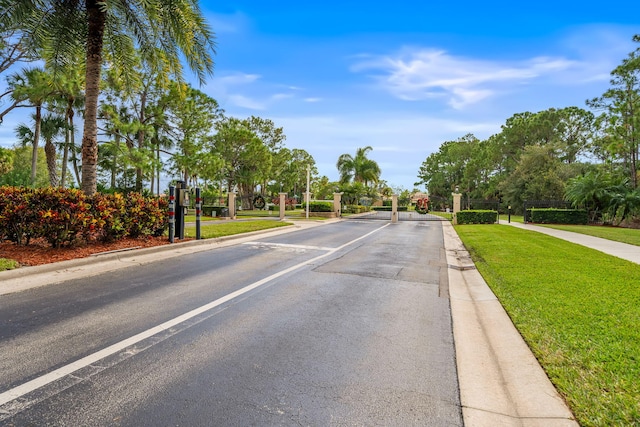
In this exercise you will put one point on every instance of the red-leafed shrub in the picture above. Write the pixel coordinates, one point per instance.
(109, 211)
(65, 217)
(146, 216)
(17, 215)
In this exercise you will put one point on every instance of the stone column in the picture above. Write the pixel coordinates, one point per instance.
(394, 208)
(337, 204)
(283, 201)
(456, 206)
(232, 205)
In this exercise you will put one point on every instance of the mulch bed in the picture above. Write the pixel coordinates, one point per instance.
(39, 252)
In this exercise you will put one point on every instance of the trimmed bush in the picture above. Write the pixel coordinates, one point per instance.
(17, 215)
(477, 217)
(558, 216)
(65, 217)
(146, 216)
(318, 206)
(355, 209)
(109, 211)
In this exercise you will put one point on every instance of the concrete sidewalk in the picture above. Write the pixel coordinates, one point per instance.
(501, 381)
(617, 249)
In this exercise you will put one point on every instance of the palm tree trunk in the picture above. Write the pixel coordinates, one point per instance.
(114, 165)
(97, 19)
(36, 138)
(65, 160)
(67, 142)
(74, 153)
(50, 151)
(141, 138)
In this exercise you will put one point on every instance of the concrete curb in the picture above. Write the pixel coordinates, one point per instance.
(501, 381)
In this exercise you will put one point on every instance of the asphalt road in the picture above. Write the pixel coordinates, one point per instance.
(344, 324)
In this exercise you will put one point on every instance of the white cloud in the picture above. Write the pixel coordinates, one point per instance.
(234, 79)
(250, 91)
(246, 102)
(419, 74)
(400, 142)
(279, 96)
(228, 23)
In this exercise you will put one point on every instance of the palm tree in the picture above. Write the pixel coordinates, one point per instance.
(33, 87)
(359, 168)
(590, 191)
(52, 127)
(163, 30)
(70, 98)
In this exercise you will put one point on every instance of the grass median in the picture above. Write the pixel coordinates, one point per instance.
(577, 308)
(228, 228)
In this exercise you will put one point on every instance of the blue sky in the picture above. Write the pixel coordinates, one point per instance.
(405, 76)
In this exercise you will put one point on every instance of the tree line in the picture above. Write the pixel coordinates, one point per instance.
(141, 119)
(586, 156)
(120, 67)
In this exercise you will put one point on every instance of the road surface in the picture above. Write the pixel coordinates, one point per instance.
(348, 323)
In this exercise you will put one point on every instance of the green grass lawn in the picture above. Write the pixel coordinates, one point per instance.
(298, 214)
(619, 234)
(228, 228)
(192, 218)
(514, 218)
(447, 215)
(262, 213)
(579, 311)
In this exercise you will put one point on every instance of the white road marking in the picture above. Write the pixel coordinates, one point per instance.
(69, 369)
(287, 245)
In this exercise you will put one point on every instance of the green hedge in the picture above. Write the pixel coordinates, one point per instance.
(558, 216)
(318, 206)
(477, 217)
(355, 209)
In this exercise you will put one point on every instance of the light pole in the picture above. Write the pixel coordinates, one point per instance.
(307, 195)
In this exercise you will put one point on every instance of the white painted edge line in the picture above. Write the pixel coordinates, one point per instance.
(59, 373)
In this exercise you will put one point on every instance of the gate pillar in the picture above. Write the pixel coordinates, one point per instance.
(337, 204)
(282, 205)
(394, 208)
(456, 206)
(232, 205)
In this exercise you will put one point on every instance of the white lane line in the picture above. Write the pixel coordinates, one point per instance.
(288, 245)
(60, 373)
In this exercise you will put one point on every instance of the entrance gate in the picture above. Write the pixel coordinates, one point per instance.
(403, 216)
(439, 210)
